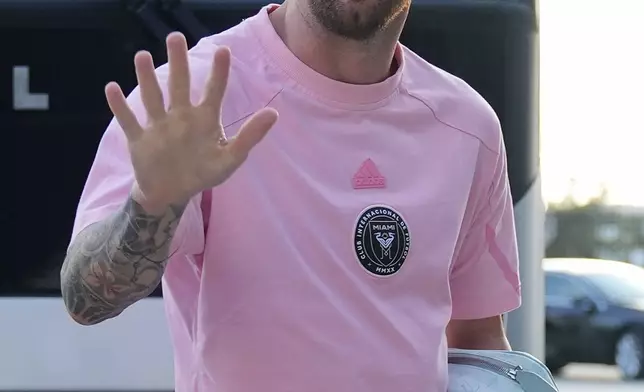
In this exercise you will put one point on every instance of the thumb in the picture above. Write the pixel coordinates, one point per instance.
(252, 132)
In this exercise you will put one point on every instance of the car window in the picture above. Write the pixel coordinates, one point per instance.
(620, 284)
(564, 287)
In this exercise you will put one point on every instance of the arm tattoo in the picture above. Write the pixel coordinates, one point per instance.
(114, 263)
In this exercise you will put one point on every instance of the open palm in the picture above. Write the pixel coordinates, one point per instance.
(182, 150)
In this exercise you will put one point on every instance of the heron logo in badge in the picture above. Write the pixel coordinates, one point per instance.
(381, 240)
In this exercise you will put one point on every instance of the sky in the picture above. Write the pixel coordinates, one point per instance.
(592, 99)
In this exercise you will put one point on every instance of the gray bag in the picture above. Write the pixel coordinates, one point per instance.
(497, 371)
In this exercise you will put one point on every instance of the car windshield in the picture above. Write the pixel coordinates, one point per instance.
(620, 284)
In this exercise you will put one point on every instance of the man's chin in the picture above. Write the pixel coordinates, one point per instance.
(358, 20)
(353, 30)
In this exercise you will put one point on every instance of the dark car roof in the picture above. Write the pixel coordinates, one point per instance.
(581, 266)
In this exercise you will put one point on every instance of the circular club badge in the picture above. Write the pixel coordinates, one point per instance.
(381, 240)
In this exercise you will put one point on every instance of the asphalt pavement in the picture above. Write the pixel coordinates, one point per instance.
(587, 378)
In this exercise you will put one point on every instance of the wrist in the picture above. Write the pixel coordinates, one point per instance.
(150, 205)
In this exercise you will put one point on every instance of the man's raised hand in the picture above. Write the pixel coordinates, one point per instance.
(182, 149)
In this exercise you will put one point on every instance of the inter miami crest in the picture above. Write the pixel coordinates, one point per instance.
(381, 240)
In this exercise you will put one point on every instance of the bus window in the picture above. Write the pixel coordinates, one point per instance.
(70, 49)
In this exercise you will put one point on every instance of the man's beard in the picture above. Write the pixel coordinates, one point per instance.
(358, 22)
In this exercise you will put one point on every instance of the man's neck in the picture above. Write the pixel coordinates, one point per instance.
(332, 56)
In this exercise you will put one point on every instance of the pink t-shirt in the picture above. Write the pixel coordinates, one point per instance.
(336, 255)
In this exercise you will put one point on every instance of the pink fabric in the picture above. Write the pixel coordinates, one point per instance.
(299, 284)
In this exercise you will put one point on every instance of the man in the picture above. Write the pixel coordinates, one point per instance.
(369, 231)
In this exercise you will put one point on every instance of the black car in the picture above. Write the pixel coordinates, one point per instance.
(595, 314)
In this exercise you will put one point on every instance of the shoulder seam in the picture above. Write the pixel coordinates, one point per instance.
(248, 114)
(416, 97)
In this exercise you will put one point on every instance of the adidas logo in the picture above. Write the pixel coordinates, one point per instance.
(368, 176)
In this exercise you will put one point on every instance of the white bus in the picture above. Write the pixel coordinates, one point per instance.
(60, 54)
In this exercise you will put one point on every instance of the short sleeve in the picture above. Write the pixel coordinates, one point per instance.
(111, 178)
(484, 279)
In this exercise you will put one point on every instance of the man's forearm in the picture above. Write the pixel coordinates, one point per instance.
(482, 334)
(114, 263)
